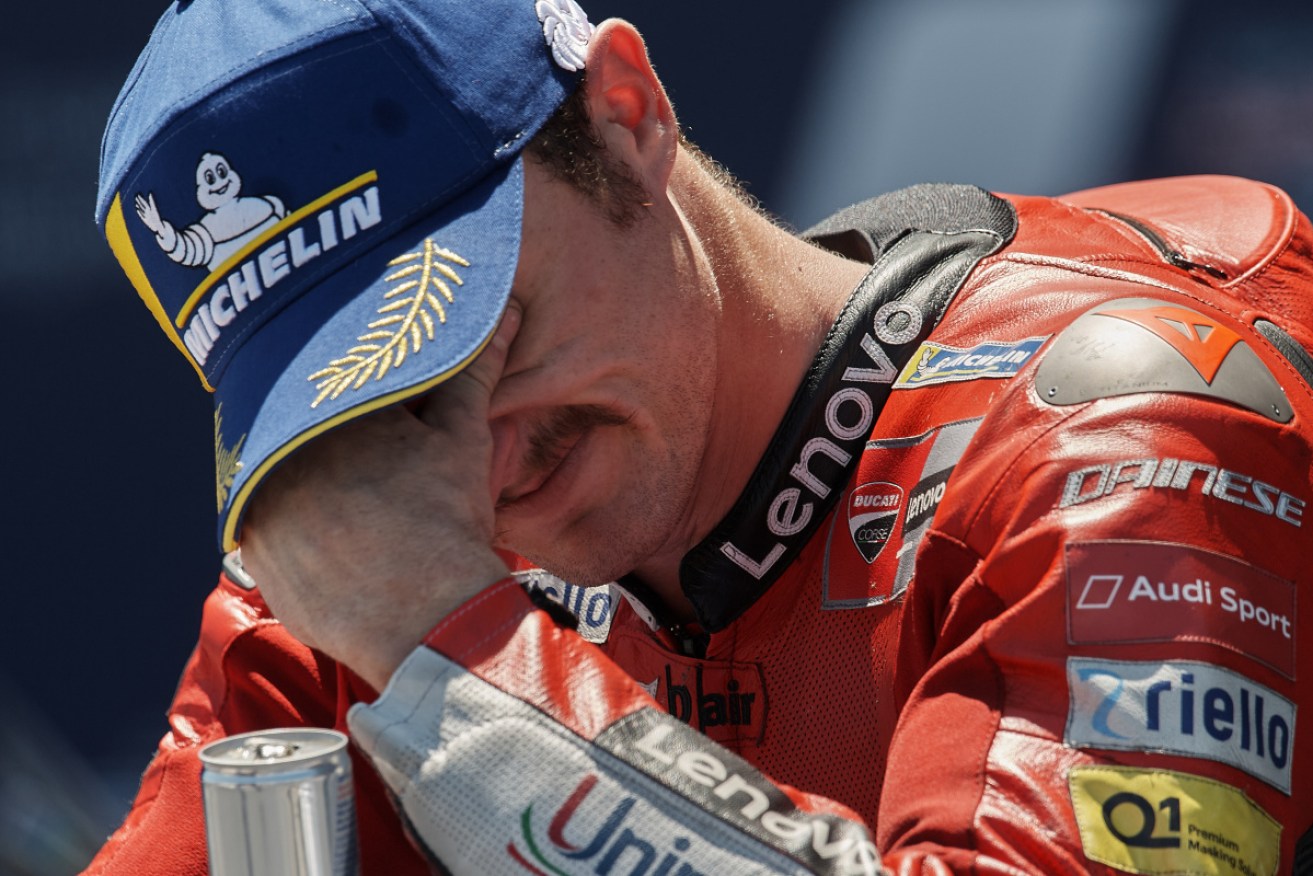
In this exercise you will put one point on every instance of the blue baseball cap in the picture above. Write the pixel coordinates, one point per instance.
(320, 201)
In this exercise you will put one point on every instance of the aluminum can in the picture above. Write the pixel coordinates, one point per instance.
(280, 803)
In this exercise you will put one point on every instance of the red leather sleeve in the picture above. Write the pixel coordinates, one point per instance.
(1074, 677)
(246, 673)
(1031, 739)
(516, 746)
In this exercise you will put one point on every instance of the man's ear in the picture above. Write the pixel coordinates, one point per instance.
(627, 104)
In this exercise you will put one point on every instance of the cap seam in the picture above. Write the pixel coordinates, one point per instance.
(217, 84)
(409, 66)
(394, 24)
(413, 69)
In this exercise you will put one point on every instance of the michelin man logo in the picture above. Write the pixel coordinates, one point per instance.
(229, 222)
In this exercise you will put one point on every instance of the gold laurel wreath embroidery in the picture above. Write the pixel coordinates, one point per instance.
(404, 323)
(226, 461)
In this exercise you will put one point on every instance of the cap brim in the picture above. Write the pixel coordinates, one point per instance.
(392, 325)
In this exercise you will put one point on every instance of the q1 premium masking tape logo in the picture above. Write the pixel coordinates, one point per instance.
(1164, 823)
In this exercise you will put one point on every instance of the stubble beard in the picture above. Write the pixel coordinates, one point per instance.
(647, 520)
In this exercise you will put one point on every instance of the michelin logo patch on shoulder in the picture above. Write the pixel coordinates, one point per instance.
(938, 363)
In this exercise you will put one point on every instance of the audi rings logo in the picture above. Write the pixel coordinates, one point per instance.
(872, 513)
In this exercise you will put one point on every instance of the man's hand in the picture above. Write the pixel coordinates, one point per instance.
(372, 533)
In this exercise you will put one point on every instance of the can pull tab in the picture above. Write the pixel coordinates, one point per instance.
(267, 749)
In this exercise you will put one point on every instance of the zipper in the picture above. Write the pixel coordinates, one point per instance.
(1172, 256)
(689, 641)
(686, 638)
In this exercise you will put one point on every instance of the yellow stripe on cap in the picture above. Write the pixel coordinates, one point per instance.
(243, 495)
(116, 232)
(189, 307)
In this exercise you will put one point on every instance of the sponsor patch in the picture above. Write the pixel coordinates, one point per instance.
(247, 243)
(1141, 591)
(872, 561)
(724, 700)
(1167, 823)
(510, 788)
(872, 513)
(1106, 478)
(733, 791)
(826, 441)
(938, 363)
(593, 607)
(1182, 707)
(726, 703)
(571, 836)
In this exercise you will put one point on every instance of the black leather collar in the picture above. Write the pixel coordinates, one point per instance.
(924, 242)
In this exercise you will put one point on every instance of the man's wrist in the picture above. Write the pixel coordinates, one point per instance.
(382, 653)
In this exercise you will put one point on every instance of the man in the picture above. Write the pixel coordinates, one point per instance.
(969, 540)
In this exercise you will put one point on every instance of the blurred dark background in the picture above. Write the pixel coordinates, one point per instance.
(108, 438)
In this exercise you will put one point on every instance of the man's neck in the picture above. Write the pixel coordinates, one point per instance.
(779, 297)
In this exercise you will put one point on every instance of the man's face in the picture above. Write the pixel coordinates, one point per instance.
(601, 417)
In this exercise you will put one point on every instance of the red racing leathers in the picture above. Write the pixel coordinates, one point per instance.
(1014, 590)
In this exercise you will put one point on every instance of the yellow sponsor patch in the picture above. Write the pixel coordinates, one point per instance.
(1164, 822)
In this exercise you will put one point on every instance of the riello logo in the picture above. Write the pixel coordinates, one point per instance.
(617, 847)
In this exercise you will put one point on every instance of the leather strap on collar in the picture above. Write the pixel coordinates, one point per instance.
(920, 268)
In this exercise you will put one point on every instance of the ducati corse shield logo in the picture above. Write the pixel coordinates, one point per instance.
(873, 511)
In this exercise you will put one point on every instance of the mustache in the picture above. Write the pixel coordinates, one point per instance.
(548, 441)
(551, 440)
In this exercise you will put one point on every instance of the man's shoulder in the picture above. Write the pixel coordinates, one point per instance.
(234, 607)
(1228, 224)
(866, 229)
(248, 672)
(1218, 226)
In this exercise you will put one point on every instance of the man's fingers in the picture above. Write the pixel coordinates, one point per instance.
(488, 367)
(468, 393)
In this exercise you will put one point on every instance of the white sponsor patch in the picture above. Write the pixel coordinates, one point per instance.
(1182, 707)
(493, 785)
(938, 363)
(593, 607)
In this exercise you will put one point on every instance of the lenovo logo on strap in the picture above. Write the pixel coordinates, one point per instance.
(849, 415)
